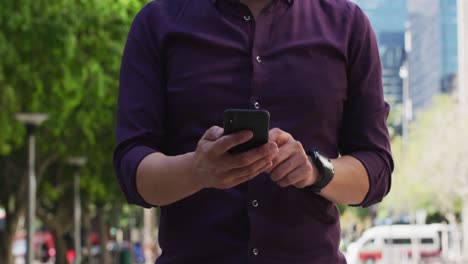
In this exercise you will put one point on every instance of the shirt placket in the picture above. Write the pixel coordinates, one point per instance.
(259, 49)
(260, 38)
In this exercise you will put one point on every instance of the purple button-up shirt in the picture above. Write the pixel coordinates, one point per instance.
(313, 64)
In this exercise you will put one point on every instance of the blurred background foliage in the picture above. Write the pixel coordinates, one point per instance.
(61, 58)
(429, 171)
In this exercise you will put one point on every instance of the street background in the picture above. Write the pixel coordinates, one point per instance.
(60, 59)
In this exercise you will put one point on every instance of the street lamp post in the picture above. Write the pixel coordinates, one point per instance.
(31, 121)
(462, 13)
(77, 162)
(405, 76)
(407, 106)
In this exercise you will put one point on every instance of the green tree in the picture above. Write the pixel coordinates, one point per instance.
(430, 166)
(61, 58)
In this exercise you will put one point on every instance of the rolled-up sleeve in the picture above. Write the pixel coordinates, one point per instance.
(140, 116)
(364, 133)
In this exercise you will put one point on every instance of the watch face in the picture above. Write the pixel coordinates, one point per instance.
(326, 162)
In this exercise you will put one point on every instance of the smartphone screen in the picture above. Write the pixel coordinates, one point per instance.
(257, 121)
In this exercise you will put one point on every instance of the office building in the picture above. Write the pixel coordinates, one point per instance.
(433, 58)
(449, 44)
(424, 58)
(385, 15)
(462, 94)
(392, 55)
(388, 18)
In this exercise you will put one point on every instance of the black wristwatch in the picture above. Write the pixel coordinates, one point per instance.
(325, 168)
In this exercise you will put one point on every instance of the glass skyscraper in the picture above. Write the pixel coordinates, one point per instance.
(388, 18)
(424, 58)
(392, 55)
(433, 58)
(449, 43)
(385, 15)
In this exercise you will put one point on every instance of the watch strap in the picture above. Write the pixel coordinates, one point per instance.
(325, 170)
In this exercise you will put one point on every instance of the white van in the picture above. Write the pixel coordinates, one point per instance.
(396, 243)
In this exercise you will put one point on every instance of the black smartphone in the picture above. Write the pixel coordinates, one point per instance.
(257, 121)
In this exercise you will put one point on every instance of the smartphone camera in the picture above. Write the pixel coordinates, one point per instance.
(231, 119)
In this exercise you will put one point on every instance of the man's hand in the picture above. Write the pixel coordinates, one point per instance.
(291, 166)
(215, 167)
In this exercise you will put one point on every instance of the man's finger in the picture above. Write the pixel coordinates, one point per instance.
(301, 184)
(263, 169)
(251, 169)
(240, 160)
(279, 136)
(213, 133)
(284, 168)
(292, 178)
(238, 180)
(283, 154)
(225, 143)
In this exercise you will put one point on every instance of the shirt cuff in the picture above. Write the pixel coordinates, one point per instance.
(126, 174)
(379, 176)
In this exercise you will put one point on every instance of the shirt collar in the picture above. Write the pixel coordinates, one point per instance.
(288, 1)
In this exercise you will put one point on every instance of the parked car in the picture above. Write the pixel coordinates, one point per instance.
(390, 243)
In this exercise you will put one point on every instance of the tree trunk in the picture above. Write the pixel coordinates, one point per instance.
(59, 224)
(13, 210)
(60, 245)
(6, 242)
(87, 240)
(8, 234)
(105, 259)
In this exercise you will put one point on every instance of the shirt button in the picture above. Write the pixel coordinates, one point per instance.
(257, 105)
(247, 18)
(255, 203)
(255, 251)
(259, 59)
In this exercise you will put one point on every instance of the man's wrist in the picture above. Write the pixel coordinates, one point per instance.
(189, 169)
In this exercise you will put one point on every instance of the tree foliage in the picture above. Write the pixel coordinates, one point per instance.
(432, 165)
(60, 57)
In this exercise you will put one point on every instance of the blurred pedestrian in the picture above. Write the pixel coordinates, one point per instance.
(44, 253)
(313, 64)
